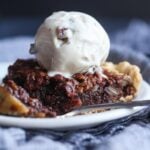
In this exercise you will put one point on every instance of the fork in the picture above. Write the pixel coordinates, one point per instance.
(100, 107)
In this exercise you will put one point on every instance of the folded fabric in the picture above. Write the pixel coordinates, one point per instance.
(135, 36)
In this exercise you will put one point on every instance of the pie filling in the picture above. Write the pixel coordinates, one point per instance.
(47, 96)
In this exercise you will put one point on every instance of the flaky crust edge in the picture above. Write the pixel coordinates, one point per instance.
(126, 68)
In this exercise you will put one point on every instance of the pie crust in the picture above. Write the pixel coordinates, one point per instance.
(125, 68)
(11, 105)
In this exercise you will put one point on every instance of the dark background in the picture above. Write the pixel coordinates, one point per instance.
(22, 17)
(109, 8)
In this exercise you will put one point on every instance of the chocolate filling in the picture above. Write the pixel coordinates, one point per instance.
(50, 96)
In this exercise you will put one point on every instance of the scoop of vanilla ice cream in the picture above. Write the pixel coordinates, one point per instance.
(69, 42)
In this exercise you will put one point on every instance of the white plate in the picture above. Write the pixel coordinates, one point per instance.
(82, 121)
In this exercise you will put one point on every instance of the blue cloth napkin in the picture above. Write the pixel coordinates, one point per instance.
(132, 132)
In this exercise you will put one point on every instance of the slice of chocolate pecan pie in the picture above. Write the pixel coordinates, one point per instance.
(29, 91)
